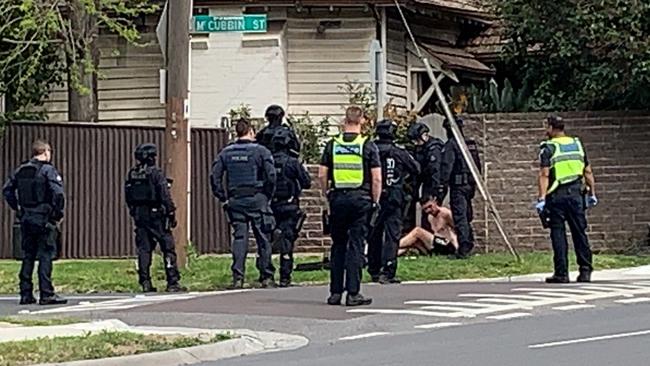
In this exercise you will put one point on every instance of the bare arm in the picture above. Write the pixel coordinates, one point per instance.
(543, 179)
(590, 180)
(376, 184)
(323, 173)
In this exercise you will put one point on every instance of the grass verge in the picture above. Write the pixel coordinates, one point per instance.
(33, 322)
(209, 272)
(94, 346)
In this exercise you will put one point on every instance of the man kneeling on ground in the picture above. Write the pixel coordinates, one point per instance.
(443, 239)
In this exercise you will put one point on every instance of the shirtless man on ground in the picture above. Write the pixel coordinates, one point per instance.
(442, 241)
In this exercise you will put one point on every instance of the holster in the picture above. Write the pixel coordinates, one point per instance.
(326, 223)
(301, 221)
(545, 218)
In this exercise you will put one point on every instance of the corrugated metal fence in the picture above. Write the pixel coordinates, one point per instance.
(93, 160)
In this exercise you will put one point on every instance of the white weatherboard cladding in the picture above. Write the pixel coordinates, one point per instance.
(227, 74)
(320, 64)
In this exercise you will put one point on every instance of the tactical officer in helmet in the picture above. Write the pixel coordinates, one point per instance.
(457, 178)
(292, 178)
(35, 191)
(246, 195)
(563, 167)
(383, 243)
(428, 152)
(275, 115)
(350, 166)
(153, 211)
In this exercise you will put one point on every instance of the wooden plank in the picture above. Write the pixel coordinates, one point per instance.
(359, 44)
(397, 58)
(316, 88)
(330, 34)
(317, 109)
(151, 92)
(348, 13)
(328, 77)
(133, 60)
(328, 66)
(357, 23)
(396, 79)
(129, 104)
(348, 56)
(132, 115)
(112, 84)
(130, 72)
(302, 99)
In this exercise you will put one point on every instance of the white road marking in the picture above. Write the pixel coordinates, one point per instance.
(437, 325)
(508, 316)
(124, 303)
(590, 339)
(362, 336)
(452, 303)
(574, 307)
(633, 300)
(410, 312)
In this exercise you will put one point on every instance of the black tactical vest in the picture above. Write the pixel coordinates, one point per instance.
(32, 185)
(285, 188)
(140, 188)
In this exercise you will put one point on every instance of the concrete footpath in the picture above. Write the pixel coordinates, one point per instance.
(245, 342)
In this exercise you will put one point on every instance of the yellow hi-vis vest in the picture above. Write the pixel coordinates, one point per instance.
(347, 158)
(567, 162)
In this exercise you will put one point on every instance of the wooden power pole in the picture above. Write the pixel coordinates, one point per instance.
(176, 126)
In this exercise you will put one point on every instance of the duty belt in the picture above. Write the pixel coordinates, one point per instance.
(244, 192)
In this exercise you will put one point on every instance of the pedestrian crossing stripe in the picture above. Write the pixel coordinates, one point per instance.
(518, 299)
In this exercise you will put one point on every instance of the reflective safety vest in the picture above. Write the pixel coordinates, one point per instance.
(567, 162)
(348, 162)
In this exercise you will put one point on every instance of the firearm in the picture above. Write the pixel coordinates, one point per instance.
(326, 223)
(374, 215)
(301, 221)
(545, 218)
(315, 266)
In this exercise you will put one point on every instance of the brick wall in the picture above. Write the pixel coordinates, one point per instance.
(618, 149)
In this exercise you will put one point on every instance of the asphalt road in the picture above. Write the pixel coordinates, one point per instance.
(625, 333)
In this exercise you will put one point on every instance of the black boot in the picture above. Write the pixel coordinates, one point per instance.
(268, 283)
(285, 282)
(237, 284)
(357, 300)
(52, 300)
(175, 287)
(148, 287)
(557, 279)
(385, 280)
(28, 299)
(334, 299)
(585, 276)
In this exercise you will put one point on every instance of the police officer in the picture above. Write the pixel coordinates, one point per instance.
(457, 177)
(428, 153)
(275, 115)
(383, 243)
(35, 191)
(246, 198)
(153, 211)
(563, 167)
(350, 166)
(292, 178)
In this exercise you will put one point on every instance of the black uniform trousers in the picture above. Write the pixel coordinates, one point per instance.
(37, 244)
(151, 229)
(350, 219)
(246, 213)
(460, 201)
(286, 220)
(566, 205)
(383, 242)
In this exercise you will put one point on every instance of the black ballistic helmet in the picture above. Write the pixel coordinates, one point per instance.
(386, 129)
(281, 138)
(274, 113)
(416, 131)
(145, 152)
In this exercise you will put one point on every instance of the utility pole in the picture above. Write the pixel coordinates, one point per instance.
(176, 125)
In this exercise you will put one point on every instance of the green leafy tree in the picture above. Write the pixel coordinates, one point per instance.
(580, 54)
(48, 42)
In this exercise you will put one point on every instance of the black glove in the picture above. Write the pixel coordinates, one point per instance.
(172, 220)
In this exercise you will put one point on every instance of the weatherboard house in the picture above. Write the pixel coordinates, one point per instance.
(298, 54)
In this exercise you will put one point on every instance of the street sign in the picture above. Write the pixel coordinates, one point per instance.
(245, 23)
